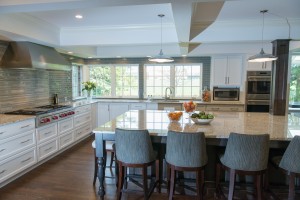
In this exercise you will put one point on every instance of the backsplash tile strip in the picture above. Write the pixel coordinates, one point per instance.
(21, 88)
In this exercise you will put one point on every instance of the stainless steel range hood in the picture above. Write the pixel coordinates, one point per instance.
(27, 55)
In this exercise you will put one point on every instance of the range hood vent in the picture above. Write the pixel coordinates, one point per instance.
(27, 55)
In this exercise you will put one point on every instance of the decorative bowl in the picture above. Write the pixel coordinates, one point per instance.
(201, 121)
(174, 116)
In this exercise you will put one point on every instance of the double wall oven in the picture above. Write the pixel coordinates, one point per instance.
(258, 91)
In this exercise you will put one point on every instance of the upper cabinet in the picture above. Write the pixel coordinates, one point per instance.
(227, 70)
(259, 66)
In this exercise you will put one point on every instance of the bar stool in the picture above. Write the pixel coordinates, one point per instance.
(245, 155)
(186, 152)
(109, 148)
(134, 149)
(290, 163)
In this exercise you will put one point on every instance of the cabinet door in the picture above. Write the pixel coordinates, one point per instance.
(234, 70)
(259, 66)
(103, 113)
(117, 109)
(220, 71)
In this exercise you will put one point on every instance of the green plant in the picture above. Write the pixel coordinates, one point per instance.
(88, 86)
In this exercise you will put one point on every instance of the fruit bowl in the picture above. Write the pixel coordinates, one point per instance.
(174, 116)
(189, 107)
(201, 121)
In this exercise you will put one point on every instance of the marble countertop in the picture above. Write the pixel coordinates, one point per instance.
(8, 119)
(157, 122)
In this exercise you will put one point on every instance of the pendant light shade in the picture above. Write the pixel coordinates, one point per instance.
(161, 58)
(262, 56)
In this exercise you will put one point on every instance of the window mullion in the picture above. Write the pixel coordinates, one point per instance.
(172, 79)
(113, 81)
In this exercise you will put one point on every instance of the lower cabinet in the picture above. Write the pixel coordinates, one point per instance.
(82, 131)
(46, 149)
(65, 140)
(17, 163)
(225, 108)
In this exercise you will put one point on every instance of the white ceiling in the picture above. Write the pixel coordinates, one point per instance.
(131, 28)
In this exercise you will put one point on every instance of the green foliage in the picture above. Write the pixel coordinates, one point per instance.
(88, 86)
(295, 84)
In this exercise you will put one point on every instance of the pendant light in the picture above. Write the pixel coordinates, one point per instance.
(161, 58)
(262, 56)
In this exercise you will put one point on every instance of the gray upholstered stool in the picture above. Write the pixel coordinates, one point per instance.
(245, 155)
(290, 163)
(109, 148)
(186, 152)
(134, 149)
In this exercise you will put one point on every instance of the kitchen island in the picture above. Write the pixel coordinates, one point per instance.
(281, 129)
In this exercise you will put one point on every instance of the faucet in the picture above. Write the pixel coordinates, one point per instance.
(166, 92)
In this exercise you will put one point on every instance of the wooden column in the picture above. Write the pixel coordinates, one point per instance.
(279, 77)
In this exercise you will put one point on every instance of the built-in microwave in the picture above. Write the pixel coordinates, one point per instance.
(226, 94)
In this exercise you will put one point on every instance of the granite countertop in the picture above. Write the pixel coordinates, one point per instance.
(9, 119)
(157, 122)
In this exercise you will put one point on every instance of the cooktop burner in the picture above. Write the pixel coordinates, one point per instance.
(39, 110)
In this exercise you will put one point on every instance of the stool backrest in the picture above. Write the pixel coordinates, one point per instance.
(291, 157)
(186, 149)
(134, 146)
(247, 152)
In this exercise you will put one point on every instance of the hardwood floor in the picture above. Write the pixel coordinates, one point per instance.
(69, 176)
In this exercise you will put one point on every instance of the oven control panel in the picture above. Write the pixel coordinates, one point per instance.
(53, 117)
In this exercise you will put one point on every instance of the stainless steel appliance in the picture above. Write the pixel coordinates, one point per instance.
(258, 91)
(226, 94)
(47, 114)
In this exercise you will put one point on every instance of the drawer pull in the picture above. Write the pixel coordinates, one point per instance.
(25, 126)
(79, 133)
(87, 129)
(2, 171)
(2, 150)
(66, 126)
(25, 141)
(1, 133)
(26, 160)
(47, 132)
(48, 149)
(67, 140)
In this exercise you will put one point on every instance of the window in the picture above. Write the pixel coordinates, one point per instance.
(186, 80)
(115, 80)
(76, 81)
(294, 98)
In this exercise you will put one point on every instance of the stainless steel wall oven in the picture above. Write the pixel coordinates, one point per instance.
(258, 91)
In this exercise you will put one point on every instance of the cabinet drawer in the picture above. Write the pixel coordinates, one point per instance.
(65, 140)
(46, 149)
(16, 144)
(82, 109)
(138, 106)
(82, 131)
(171, 106)
(45, 133)
(17, 163)
(82, 119)
(65, 125)
(16, 128)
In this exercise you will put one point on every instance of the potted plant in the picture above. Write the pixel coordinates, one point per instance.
(88, 86)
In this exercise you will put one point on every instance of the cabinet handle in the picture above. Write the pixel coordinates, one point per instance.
(225, 80)
(67, 140)
(233, 109)
(48, 149)
(87, 129)
(26, 160)
(25, 141)
(79, 133)
(2, 150)
(66, 126)
(1, 133)
(47, 132)
(2, 171)
(25, 126)
(215, 108)
(228, 80)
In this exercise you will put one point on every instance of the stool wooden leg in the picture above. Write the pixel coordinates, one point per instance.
(120, 181)
(258, 186)
(199, 184)
(218, 172)
(231, 184)
(292, 186)
(95, 169)
(157, 176)
(111, 159)
(172, 183)
(145, 182)
(168, 178)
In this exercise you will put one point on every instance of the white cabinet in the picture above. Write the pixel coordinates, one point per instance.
(47, 148)
(103, 113)
(227, 71)
(65, 125)
(65, 139)
(116, 109)
(152, 106)
(259, 66)
(16, 128)
(45, 133)
(82, 122)
(138, 106)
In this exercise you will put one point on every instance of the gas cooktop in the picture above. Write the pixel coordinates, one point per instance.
(39, 110)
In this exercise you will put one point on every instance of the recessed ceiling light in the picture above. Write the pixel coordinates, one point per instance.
(78, 16)
(118, 56)
(183, 55)
(70, 52)
(148, 56)
(90, 57)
